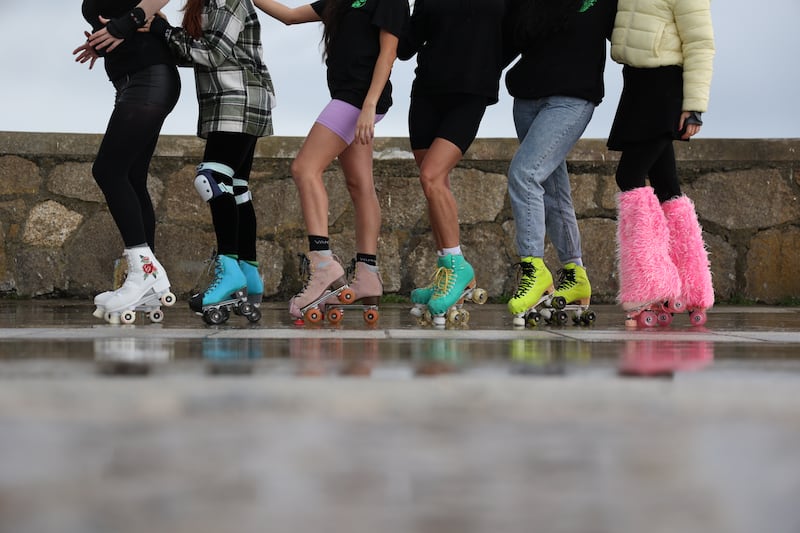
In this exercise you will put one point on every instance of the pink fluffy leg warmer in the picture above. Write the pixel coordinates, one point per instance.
(646, 271)
(688, 252)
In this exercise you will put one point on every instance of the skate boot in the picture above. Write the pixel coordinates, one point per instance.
(120, 273)
(649, 284)
(145, 289)
(227, 292)
(326, 280)
(688, 252)
(255, 287)
(573, 293)
(422, 295)
(367, 288)
(534, 287)
(455, 283)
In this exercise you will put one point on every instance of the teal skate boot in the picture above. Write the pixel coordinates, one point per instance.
(534, 287)
(422, 295)
(227, 292)
(455, 282)
(255, 287)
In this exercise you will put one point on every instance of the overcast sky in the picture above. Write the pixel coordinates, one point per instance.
(754, 91)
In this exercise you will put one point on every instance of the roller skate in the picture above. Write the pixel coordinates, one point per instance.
(422, 295)
(367, 287)
(688, 252)
(326, 280)
(572, 295)
(255, 288)
(455, 284)
(534, 288)
(649, 283)
(227, 292)
(146, 289)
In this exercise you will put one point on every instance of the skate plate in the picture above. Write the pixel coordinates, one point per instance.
(314, 313)
(150, 304)
(456, 315)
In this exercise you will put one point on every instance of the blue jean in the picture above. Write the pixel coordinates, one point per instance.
(538, 183)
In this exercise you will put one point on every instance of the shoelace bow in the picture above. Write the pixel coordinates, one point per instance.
(527, 278)
(443, 280)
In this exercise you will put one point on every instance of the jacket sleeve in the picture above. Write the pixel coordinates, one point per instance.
(226, 20)
(693, 20)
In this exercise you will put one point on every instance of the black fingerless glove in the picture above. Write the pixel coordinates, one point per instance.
(125, 26)
(161, 27)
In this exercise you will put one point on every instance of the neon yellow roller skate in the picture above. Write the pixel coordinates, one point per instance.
(534, 288)
(572, 295)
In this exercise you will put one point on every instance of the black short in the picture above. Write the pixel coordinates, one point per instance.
(454, 117)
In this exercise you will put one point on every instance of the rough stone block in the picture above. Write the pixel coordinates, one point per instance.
(50, 224)
(772, 260)
(74, 180)
(18, 176)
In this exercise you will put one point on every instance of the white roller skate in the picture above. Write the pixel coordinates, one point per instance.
(326, 280)
(146, 289)
(227, 292)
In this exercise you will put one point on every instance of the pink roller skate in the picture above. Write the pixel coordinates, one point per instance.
(326, 280)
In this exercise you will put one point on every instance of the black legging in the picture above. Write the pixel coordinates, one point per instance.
(650, 159)
(143, 101)
(234, 225)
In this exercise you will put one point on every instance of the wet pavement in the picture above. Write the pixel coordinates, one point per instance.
(179, 426)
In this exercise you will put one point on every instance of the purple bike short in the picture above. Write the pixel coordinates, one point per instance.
(341, 118)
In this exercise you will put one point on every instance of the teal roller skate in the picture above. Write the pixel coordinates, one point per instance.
(227, 292)
(255, 287)
(455, 283)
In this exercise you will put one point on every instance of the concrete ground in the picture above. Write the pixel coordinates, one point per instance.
(179, 427)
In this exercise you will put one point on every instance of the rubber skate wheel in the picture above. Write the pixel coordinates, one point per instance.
(168, 299)
(313, 316)
(561, 318)
(647, 319)
(156, 316)
(664, 318)
(453, 316)
(479, 296)
(371, 316)
(698, 318)
(127, 317)
(675, 306)
(533, 318)
(588, 318)
(558, 302)
(255, 316)
(213, 317)
(347, 296)
(335, 316)
(463, 315)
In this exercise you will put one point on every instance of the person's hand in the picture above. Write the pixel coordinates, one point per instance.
(687, 126)
(365, 126)
(85, 52)
(146, 27)
(102, 40)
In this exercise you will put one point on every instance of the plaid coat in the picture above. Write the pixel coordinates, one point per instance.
(234, 88)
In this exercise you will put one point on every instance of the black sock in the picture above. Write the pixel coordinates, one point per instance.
(369, 259)
(317, 243)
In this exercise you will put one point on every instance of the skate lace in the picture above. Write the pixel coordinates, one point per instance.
(526, 278)
(443, 281)
(566, 279)
(218, 273)
(304, 269)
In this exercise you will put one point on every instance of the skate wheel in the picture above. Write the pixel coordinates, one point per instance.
(463, 315)
(452, 316)
(255, 315)
(156, 316)
(664, 318)
(558, 302)
(127, 317)
(698, 318)
(647, 319)
(313, 316)
(676, 306)
(168, 299)
(533, 318)
(244, 308)
(335, 316)
(479, 296)
(588, 318)
(561, 318)
(213, 317)
(427, 317)
(347, 296)
(371, 316)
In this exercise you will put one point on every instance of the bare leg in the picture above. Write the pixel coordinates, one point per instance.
(435, 165)
(356, 163)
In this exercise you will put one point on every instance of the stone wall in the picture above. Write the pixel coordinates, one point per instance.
(58, 239)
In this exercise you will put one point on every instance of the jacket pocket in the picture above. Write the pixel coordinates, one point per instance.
(657, 37)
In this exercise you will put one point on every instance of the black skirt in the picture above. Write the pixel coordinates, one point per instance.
(649, 107)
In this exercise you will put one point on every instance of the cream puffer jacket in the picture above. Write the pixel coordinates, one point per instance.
(658, 33)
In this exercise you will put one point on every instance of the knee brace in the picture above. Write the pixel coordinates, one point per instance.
(211, 179)
(241, 191)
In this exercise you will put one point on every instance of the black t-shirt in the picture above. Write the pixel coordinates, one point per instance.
(135, 53)
(459, 46)
(569, 62)
(356, 46)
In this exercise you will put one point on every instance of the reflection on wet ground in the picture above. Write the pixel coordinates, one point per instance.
(749, 339)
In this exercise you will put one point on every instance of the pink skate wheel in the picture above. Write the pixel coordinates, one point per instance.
(648, 319)
(664, 318)
(698, 318)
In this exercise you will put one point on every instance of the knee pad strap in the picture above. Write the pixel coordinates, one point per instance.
(241, 197)
(208, 185)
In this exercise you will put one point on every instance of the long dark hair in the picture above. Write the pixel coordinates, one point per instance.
(193, 17)
(536, 19)
(331, 19)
